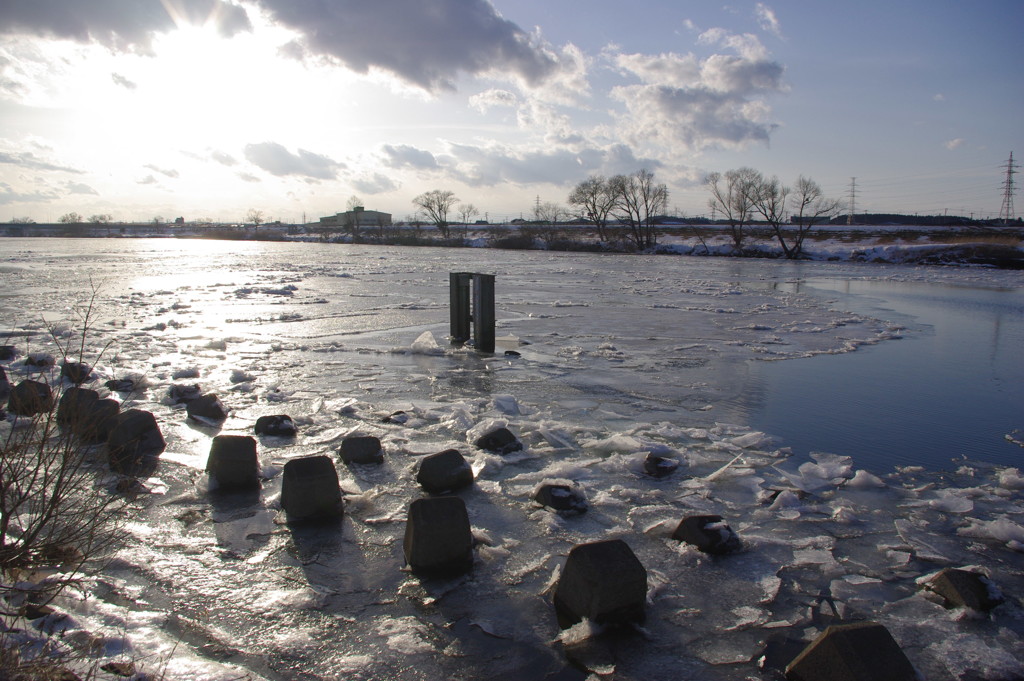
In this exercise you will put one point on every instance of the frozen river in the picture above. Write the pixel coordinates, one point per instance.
(904, 385)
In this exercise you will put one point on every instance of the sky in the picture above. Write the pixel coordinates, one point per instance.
(207, 109)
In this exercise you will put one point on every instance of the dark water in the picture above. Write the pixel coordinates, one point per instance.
(951, 388)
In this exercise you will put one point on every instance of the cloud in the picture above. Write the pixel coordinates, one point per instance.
(8, 195)
(276, 160)
(954, 143)
(123, 25)
(490, 99)
(373, 184)
(223, 158)
(27, 159)
(939, 97)
(498, 164)
(684, 103)
(123, 82)
(427, 43)
(767, 20)
(148, 179)
(163, 171)
(79, 188)
(405, 156)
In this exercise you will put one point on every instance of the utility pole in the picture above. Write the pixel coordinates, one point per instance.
(1006, 212)
(853, 200)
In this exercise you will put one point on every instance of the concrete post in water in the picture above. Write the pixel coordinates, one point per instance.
(480, 315)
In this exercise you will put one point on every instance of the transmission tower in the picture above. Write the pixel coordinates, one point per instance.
(1006, 212)
(853, 200)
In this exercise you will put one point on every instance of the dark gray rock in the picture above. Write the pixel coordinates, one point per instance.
(75, 372)
(659, 466)
(134, 438)
(8, 352)
(120, 385)
(207, 408)
(499, 441)
(602, 581)
(5, 385)
(75, 404)
(446, 471)
(29, 398)
(398, 417)
(101, 418)
(963, 588)
(364, 449)
(561, 497)
(180, 393)
(310, 489)
(860, 651)
(708, 533)
(233, 462)
(278, 425)
(438, 539)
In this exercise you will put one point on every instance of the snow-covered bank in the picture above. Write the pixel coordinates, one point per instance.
(619, 357)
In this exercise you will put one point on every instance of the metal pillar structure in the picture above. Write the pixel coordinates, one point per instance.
(480, 315)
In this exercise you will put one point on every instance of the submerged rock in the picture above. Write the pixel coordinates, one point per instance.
(659, 466)
(561, 497)
(179, 393)
(438, 539)
(860, 651)
(365, 449)
(446, 471)
(604, 582)
(963, 588)
(207, 408)
(233, 462)
(708, 533)
(499, 441)
(310, 489)
(8, 352)
(278, 425)
(76, 372)
(75, 405)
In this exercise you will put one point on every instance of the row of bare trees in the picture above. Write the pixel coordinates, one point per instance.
(744, 195)
(633, 201)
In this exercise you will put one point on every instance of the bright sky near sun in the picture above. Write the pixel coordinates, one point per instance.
(209, 108)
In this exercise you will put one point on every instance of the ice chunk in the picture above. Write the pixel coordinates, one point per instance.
(865, 480)
(1001, 529)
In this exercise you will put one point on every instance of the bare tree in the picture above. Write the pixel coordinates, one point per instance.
(811, 207)
(353, 203)
(255, 216)
(70, 218)
(596, 201)
(551, 214)
(638, 201)
(770, 198)
(467, 211)
(733, 196)
(101, 218)
(23, 221)
(435, 204)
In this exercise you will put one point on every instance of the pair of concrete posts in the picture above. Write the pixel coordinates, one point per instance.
(480, 315)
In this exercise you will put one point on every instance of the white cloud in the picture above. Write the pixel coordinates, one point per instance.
(492, 98)
(374, 183)
(405, 156)
(26, 159)
(123, 82)
(767, 20)
(939, 97)
(168, 172)
(277, 160)
(954, 143)
(684, 103)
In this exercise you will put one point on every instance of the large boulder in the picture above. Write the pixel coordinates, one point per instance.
(859, 651)
(310, 489)
(963, 588)
(75, 405)
(709, 533)
(8, 352)
(5, 385)
(446, 471)
(134, 438)
(278, 425)
(207, 409)
(500, 441)
(602, 581)
(184, 392)
(364, 449)
(29, 398)
(438, 539)
(75, 372)
(233, 462)
(97, 421)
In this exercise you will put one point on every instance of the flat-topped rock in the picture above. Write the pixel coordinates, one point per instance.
(709, 533)
(134, 437)
(604, 582)
(499, 441)
(310, 489)
(233, 463)
(859, 651)
(963, 588)
(277, 425)
(438, 540)
(446, 471)
(29, 398)
(363, 449)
